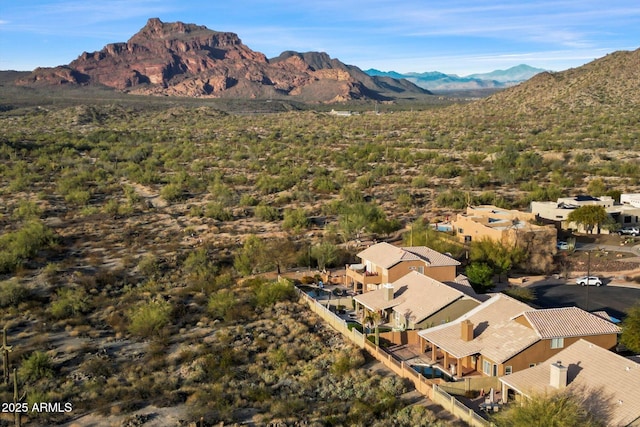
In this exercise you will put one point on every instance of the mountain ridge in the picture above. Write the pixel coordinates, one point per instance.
(178, 59)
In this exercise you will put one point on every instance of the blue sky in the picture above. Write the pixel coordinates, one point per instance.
(452, 36)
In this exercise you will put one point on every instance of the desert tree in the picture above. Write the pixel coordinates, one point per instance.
(324, 253)
(480, 275)
(560, 409)
(589, 216)
(501, 257)
(630, 336)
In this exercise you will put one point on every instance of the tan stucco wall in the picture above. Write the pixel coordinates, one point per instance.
(442, 274)
(541, 351)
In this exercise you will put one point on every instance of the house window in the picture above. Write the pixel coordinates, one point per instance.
(460, 231)
(421, 270)
(508, 370)
(557, 342)
(531, 365)
(486, 367)
(467, 239)
(627, 219)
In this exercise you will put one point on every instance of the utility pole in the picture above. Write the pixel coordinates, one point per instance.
(588, 275)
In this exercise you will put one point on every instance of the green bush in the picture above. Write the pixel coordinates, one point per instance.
(269, 293)
(12, 293)
(267, 213)
(221, 303)
(149, 318)
(295, 219)
(18, 246)
(217, 211)
(69, 302)
(37, 366)
(172, 192)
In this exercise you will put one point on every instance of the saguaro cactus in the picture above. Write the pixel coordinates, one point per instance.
(6, 349)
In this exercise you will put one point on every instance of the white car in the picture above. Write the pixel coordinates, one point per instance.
(563, 246)
(588, 281)
(633, 231)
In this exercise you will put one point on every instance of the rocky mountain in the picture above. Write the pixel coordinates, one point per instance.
(179, 59)
(437, 81)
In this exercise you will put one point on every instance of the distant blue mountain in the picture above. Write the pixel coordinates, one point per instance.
(519, 73)
(435, 80)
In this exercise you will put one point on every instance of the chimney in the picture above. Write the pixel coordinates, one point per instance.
(466, 330)
(388, 291)
(558, 377)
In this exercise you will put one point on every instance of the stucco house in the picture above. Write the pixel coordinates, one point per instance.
(502, 336)
(510, 228)
(385, 263)
(607, 382)
(625, 214)
(416, 301)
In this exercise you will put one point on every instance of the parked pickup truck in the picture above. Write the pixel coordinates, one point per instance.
(632, 231)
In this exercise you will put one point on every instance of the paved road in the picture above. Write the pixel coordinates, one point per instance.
(612, 248)
(615, 300)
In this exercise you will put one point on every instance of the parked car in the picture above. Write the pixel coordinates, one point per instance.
(632, 231)
(589, 281)
(563, 246)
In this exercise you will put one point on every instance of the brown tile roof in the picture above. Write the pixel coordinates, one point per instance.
(386, 255)
(431, 257)
(568, 322)
(496, 335)
(591, 369)
(414, 293)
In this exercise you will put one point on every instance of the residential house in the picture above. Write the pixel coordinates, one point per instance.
(607, 382)
(385, 263)
(630, 199)
(510, 228)
(503, 335)
(416, 301)
(626, 214)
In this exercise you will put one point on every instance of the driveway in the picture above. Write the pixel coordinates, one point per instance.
(616, 300)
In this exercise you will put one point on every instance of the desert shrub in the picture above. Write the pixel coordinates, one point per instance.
(148, 265)
(149, 318)
(325, 184)
(172, 192)
(295, 219)
(69, 302)
(26, 210)
(78, 197)
(269, 293)
(217, 211)
(12, 293)
(221, 303)
(267, 213)
(455, 199)
(35, 367)
(18, 246)
(248, 200)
